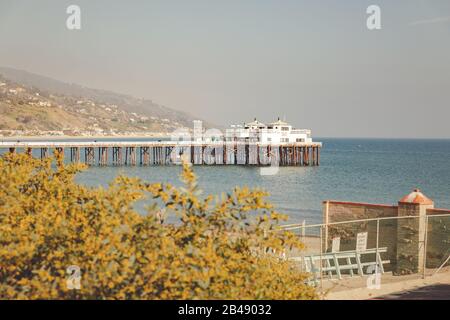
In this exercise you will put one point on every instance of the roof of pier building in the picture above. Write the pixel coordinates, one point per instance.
(279, 123)
(255, 123)
(416, 197)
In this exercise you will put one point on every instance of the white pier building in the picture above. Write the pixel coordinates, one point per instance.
(278, 132)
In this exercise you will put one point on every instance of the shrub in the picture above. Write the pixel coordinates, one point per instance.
(217, 249)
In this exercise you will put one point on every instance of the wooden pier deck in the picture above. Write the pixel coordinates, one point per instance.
(147, 153)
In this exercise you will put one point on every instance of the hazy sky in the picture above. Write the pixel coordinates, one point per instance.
(313, 62)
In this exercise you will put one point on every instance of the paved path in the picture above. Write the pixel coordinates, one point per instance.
(433, 292)
(392, 287)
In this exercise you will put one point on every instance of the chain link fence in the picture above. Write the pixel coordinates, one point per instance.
(394, 248)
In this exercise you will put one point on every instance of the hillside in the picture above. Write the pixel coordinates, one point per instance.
(34, 105)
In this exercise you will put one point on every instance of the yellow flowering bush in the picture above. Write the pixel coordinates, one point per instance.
(221, 247)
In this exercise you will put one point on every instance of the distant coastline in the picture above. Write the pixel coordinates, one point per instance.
(167, 135)
(67, 137)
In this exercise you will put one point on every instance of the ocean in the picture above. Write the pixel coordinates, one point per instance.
(361, 170)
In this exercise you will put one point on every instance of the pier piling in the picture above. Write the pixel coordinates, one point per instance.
(89, 156)
(44, 153)
(165, 153)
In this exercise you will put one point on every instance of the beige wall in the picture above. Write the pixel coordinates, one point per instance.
(344, 211)
(336, 211)
(438, 238)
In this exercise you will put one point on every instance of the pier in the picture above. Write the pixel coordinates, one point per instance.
(153, 153)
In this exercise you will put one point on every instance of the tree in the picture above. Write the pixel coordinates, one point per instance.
(221, 247)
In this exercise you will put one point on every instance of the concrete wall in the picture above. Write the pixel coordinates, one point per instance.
(438, 239)
(338, 211)
(409, 239)
(343, 211)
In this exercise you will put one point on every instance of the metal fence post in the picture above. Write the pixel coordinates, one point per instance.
(378, 241)
(303, 235)
(320, 264)
(425, 248)
(303, 230)
(378, 233)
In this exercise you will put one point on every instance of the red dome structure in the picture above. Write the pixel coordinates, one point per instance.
(416, 197)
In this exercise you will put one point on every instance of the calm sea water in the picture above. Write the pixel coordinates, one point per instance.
(365, 170)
